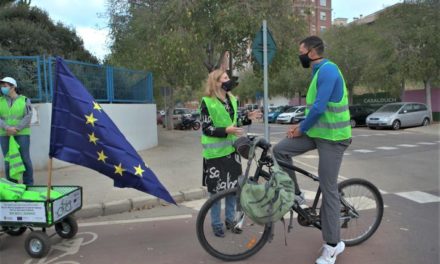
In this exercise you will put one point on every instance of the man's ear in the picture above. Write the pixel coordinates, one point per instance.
(313, 54)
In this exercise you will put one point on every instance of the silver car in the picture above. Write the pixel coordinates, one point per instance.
(397, 115)
(290, 114)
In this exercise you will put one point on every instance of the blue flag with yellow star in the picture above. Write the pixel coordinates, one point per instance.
(83, 134)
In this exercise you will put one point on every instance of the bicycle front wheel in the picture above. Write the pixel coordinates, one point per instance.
(240, 242)
(361, 210)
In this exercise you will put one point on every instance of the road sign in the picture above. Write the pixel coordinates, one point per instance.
(257, 47)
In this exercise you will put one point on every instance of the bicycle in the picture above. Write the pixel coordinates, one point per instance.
(361, 213)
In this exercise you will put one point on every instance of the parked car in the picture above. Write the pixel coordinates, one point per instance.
(251, 107)
(275, 112)
(359, 113)
(299, 118)
(195, 114)
(397, 115)
(289, 115)
(178, 114)
(159, 118)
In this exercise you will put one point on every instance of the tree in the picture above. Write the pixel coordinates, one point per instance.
(350, 48)
(28, 31)
(170, 37)
(412, 29)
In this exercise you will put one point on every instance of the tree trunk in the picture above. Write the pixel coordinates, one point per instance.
(402, 90)
(427, 84)
(169, 111)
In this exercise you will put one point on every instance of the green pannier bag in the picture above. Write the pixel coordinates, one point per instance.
(269, 201)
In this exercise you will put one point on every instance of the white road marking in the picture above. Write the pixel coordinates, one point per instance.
(426, 143)
(278, 133)
(347, 153)
(419, 197)
(387, 148)
(131, 221)
(363, 150)
(407, 146)
(196, 204)
(382, 191)
(309, 156)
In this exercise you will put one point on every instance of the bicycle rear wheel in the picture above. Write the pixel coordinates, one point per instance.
(361, 210)
(233, 246)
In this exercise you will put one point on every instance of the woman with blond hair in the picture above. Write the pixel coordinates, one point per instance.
(220, 127)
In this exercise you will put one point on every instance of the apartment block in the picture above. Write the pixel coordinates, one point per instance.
(317, 14)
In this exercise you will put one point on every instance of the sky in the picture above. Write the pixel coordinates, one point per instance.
(90, 22)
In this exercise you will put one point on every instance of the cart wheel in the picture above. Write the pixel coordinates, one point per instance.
(15, 231)
(37, 244)
(67, 228)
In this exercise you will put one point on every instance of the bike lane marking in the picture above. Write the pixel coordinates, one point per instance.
(130, 221)
(67, 247)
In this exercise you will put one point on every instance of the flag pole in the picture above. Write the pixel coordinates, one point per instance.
(49, 180)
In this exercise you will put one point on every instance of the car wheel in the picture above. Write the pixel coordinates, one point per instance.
(292, 120)
(371, 127)
(396, 125)
(425, 122)
(353, 123)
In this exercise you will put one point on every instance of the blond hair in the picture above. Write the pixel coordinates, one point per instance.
(211, 88)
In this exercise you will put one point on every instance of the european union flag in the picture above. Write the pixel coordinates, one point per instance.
(83, 134)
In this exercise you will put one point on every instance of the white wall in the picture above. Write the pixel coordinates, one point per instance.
(136, 121)
(278, 100)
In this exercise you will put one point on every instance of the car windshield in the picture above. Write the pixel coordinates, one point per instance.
(278, 109)
(292, 109)
(390, 108)
(181, 111)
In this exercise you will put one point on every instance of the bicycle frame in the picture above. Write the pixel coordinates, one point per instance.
(266, 160)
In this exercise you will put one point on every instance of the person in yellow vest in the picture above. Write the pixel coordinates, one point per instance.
(327, 129)
(220, 128)
(15, 119)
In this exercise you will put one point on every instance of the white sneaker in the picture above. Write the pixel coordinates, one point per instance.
(330, 253)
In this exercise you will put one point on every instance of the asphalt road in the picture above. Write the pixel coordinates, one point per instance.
(403, 164)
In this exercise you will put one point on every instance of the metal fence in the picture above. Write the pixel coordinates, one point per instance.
(35, 76)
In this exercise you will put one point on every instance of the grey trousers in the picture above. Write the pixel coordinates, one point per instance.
(330, 158)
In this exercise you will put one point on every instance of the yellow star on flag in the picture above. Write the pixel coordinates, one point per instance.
(102, 156)
(118, 169)
(96, 106)
(92, 138)
(91, 119)
(139, 170)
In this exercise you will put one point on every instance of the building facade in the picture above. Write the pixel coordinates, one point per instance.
(317, 14)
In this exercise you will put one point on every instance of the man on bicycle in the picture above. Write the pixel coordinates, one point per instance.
(327, 129)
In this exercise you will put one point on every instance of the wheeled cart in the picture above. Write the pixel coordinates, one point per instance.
(18, 216)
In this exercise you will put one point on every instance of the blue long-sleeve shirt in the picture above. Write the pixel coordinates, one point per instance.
(329, 89)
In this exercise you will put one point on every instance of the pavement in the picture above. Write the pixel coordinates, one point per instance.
(176, 161)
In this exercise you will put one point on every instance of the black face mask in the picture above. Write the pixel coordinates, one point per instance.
(228, 85)
(305, 60)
